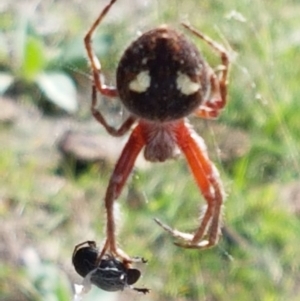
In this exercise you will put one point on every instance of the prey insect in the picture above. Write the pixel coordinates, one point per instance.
(109, 274)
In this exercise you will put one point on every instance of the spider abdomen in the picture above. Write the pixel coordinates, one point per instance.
(162, 76)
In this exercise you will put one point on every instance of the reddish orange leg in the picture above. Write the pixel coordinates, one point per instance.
(99, 117)
(217, 98)
(114, 189)
(207, 178)
(99, 85)
(95, 63)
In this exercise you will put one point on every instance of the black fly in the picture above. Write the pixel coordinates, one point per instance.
(110, 274)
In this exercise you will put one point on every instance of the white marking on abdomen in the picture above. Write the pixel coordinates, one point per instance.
(185, 85)
(141, 83)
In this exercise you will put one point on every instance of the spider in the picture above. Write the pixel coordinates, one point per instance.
(161, 79)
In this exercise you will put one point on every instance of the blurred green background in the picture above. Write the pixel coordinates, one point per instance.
(55, 160)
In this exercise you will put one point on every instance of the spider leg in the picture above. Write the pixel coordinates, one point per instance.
(217, 99)
(109, 91)
(207, 179)
(98, 79)
(114, 189)
(211, 108)
(126, 125)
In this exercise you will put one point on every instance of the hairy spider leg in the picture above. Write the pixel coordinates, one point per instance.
(207, 179)
(95, 63)
(217, 97)
(109, 91)
(116, 183)
(124, 127)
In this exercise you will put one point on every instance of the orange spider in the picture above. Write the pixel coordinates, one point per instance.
(161, 79)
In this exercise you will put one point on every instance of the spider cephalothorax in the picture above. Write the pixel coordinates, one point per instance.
(161, 79)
